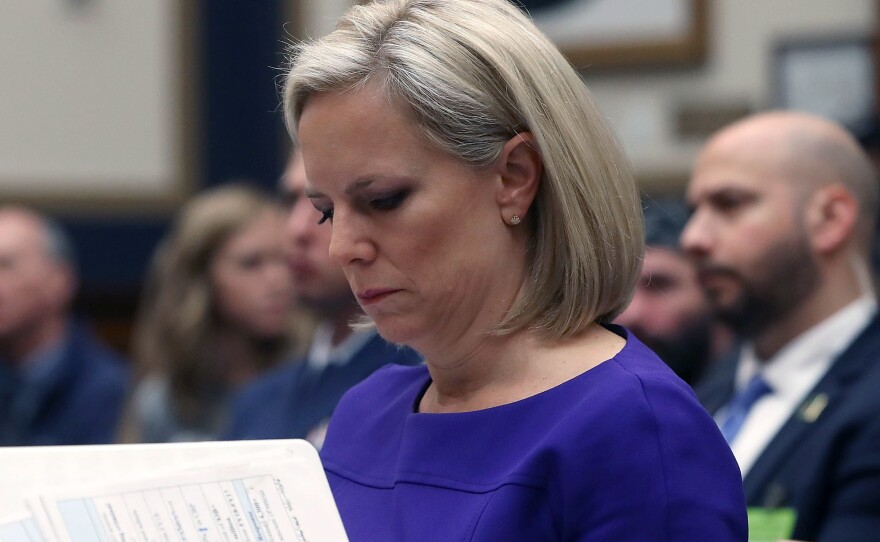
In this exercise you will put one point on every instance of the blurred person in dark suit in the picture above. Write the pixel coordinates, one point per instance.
(297, 401)
(669, 311)
(217, 311)
(58, 384)
(784, 210)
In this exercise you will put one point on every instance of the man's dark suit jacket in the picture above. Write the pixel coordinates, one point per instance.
(823, 462)
(81, 402)
(293, 400)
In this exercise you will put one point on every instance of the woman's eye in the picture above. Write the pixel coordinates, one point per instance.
(386, 203)
(326, 215)
(250, 262)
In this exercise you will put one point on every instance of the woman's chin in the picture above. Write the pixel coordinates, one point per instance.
(396, 332)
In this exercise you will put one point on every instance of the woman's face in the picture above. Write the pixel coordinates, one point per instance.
(418, 233)
(251, 282)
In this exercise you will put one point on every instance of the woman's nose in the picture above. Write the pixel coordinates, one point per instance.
(349, 240)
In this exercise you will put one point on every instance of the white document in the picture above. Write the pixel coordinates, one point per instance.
(20, 530)
(234, 492)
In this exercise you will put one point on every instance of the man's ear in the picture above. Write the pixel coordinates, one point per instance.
(831, 216)
(519, 167)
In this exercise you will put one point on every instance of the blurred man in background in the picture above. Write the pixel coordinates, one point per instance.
(669, 311)
(58, 385)
(784, 212)
(297, 401)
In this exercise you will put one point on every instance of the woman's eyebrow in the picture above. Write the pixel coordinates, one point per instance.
(311, 193)
(358, 185)
(354, 187)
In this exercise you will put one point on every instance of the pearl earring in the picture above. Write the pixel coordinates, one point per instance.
(514, 220)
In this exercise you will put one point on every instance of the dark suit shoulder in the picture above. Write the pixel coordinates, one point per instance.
(716, 387)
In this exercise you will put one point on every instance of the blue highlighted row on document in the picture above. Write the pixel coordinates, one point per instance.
(20, 530)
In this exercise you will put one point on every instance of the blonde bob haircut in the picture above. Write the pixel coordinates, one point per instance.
(472, 74)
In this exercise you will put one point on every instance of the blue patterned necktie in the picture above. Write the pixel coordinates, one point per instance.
(740, 405)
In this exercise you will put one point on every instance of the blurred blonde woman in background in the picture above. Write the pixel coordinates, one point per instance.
(216, 311)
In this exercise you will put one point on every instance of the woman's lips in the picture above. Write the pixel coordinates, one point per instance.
(374, 295)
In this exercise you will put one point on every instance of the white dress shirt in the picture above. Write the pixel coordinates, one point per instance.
(792, 373)
(323, 353)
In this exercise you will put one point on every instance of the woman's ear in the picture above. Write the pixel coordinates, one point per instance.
(831, 215)
(519, 167)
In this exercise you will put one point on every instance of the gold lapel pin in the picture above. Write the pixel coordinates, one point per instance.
(813, 407)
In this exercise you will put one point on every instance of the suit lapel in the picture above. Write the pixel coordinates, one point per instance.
(717, 388)
(761, 484)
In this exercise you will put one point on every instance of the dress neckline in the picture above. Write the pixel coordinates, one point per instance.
(589, 373)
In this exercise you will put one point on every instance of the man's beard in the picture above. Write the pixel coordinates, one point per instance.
(788, 276)
(688, 352)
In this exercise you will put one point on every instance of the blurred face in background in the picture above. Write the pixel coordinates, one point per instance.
(33, 286)
(670, 313)
(746, 234)
(319, 283)
(252, 284)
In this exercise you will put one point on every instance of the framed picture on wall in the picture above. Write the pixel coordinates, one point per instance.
(835, 77)
(617, 34)
(99, 105)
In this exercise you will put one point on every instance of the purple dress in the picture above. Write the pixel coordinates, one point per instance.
(621, 453)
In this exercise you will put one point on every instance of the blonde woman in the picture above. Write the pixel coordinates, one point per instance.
(484, 216)
(217, 311)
